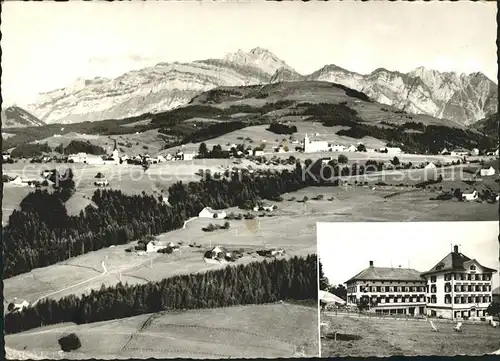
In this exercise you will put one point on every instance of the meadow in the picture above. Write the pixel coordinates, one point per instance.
(81, 274)
(130, 179)
(383, 337)
(291, 227)
(267, 331)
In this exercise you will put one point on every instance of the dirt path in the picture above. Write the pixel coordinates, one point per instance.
(105, 271)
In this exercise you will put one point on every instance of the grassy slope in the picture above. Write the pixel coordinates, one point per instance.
(292, 228)
(387, 337)
(274, 330)
(319, 92)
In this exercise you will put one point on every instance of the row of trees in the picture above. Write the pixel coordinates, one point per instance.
(279, 128)
(430, 140)
(36, 237)
(254, 283)
(79, 146)
(41, 233)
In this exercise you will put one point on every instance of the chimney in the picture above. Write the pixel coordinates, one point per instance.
(455, 249)
(371, 263)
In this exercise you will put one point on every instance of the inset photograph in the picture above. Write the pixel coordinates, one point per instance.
(426, 288)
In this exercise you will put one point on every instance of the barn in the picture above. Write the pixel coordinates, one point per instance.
(487, 171)
(208, 212)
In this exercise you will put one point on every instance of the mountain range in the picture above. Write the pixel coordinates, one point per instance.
(465, 98)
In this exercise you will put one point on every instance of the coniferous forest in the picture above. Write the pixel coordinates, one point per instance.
(37, 238)
(255, 283)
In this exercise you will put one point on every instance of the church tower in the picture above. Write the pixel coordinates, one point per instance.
(306, 143)
(116, 156)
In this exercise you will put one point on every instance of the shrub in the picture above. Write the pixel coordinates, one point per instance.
(78, 146)
(30, 150)
(279, 128)
(210, 228)
(342, 159)
(69, 342)
(167, 250)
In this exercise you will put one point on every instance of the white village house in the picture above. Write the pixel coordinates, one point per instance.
(338, 148)
(460, 152)
(180, 155)
(393, 150)
(219, 252)
(487, 171)
(208, 212)
(155, 246)
(430, 165)
(17, 307)
(86, 158)
(265, 208)
(18, 181)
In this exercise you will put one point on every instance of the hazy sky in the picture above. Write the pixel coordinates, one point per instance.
(49, 45)
(346, 249)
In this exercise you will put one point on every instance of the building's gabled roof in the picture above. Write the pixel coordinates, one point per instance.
(387, 274)
(454, 261)
(218, 249)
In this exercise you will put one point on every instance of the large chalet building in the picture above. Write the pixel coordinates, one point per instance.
(457, 287)
(388, 290)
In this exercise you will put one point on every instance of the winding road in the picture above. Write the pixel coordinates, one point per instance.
(105, 271)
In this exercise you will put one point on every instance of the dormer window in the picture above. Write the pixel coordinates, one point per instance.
(472, 268)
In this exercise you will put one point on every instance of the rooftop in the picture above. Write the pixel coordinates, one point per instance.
(454, 261)
(387, 274)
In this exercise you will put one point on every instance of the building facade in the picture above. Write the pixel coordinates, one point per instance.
(458, 287)
(314, 146)
(389, 291)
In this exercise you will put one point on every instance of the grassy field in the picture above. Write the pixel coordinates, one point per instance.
(148, 142)
(87, 273)
(389, 337)
(130, 179)
(268, 331)
(259, 134)
(292, 227)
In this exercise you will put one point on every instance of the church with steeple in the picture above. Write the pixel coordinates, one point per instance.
(314, 146)
(116, 155)
(114, 158)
